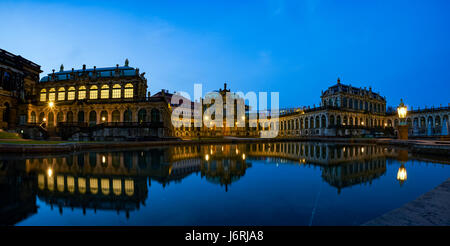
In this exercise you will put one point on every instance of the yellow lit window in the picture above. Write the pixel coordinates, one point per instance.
(117, 186)
(128, 91)
(61, 94)
(60, 183)
(105, 186)
(116, 93)
(82, 93)
(93, 185)
(50, 183)
(43, 95)
(51, 94)
(82, 185)
(70, 184)
(71, 93)
(129, 187)
(93, 92)
(105, 92)
(41, 181)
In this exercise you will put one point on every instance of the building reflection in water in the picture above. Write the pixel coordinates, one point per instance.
(119, 180)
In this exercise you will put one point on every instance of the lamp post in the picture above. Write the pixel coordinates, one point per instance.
(402, 110)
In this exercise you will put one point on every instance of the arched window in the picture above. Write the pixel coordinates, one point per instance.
(116, 93)
(33, 117)
(128, 91)
(142, 115)
(60, 117)
(51, 94)
(43, 95)
(81, 116)
(115, 116)
(127, 116)
(71, 93)
(105, 92)
(104, 116)
(155, 115)
(41, 117)
(93, 92)
(92, 117)
(61, 94)
(69, 117)
(51, 119)
(324, 122)
(82, 93)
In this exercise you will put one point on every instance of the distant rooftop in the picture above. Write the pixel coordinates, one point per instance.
(104, 72)
(352, 90)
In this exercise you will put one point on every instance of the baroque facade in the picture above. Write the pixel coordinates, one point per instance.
(98, 104)
(18, 78)
(111, 103)
(351, 111)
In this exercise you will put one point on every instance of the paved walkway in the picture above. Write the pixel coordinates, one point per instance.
(430, 209)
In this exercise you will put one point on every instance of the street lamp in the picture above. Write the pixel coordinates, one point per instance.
(402, 110)
(51, 104)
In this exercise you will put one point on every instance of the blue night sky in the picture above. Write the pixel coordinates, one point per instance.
(298, 48)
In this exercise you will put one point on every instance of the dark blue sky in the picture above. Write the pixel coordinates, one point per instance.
(399, 48)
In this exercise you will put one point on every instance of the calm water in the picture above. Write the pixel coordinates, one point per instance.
(251, 184)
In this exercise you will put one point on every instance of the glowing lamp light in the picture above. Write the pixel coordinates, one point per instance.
(362, 122)
(44, 119)
(103, 118)
(51, 104)
(49, 172)
(103, 159)
(206, 157)
(243, 156)
(402, 110)
(237, 151)
(243, 117)
(401, 174)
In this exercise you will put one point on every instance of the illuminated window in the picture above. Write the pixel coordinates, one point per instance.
(116, 93)
(71, 93)
(93, 92)
(128, 91)
(129, 187)
(82, 93)
(117, 186)
(50, 183)
(104, 92)
(82, 185)
(51, 94)
(61, 94)
(41, 181)
(93, 185)
(105, 186)
(60, 183)
(43, 95)
(70, 184)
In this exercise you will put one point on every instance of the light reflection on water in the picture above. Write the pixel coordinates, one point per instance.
(247, 184)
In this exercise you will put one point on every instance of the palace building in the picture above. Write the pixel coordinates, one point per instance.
(18, 79)
(98, 104)
(349, 111)
(112, 104)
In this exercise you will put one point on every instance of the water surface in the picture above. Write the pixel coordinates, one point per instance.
(284, 183)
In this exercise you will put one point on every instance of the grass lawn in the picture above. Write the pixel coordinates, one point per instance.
(32, 142)
(8, 135)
